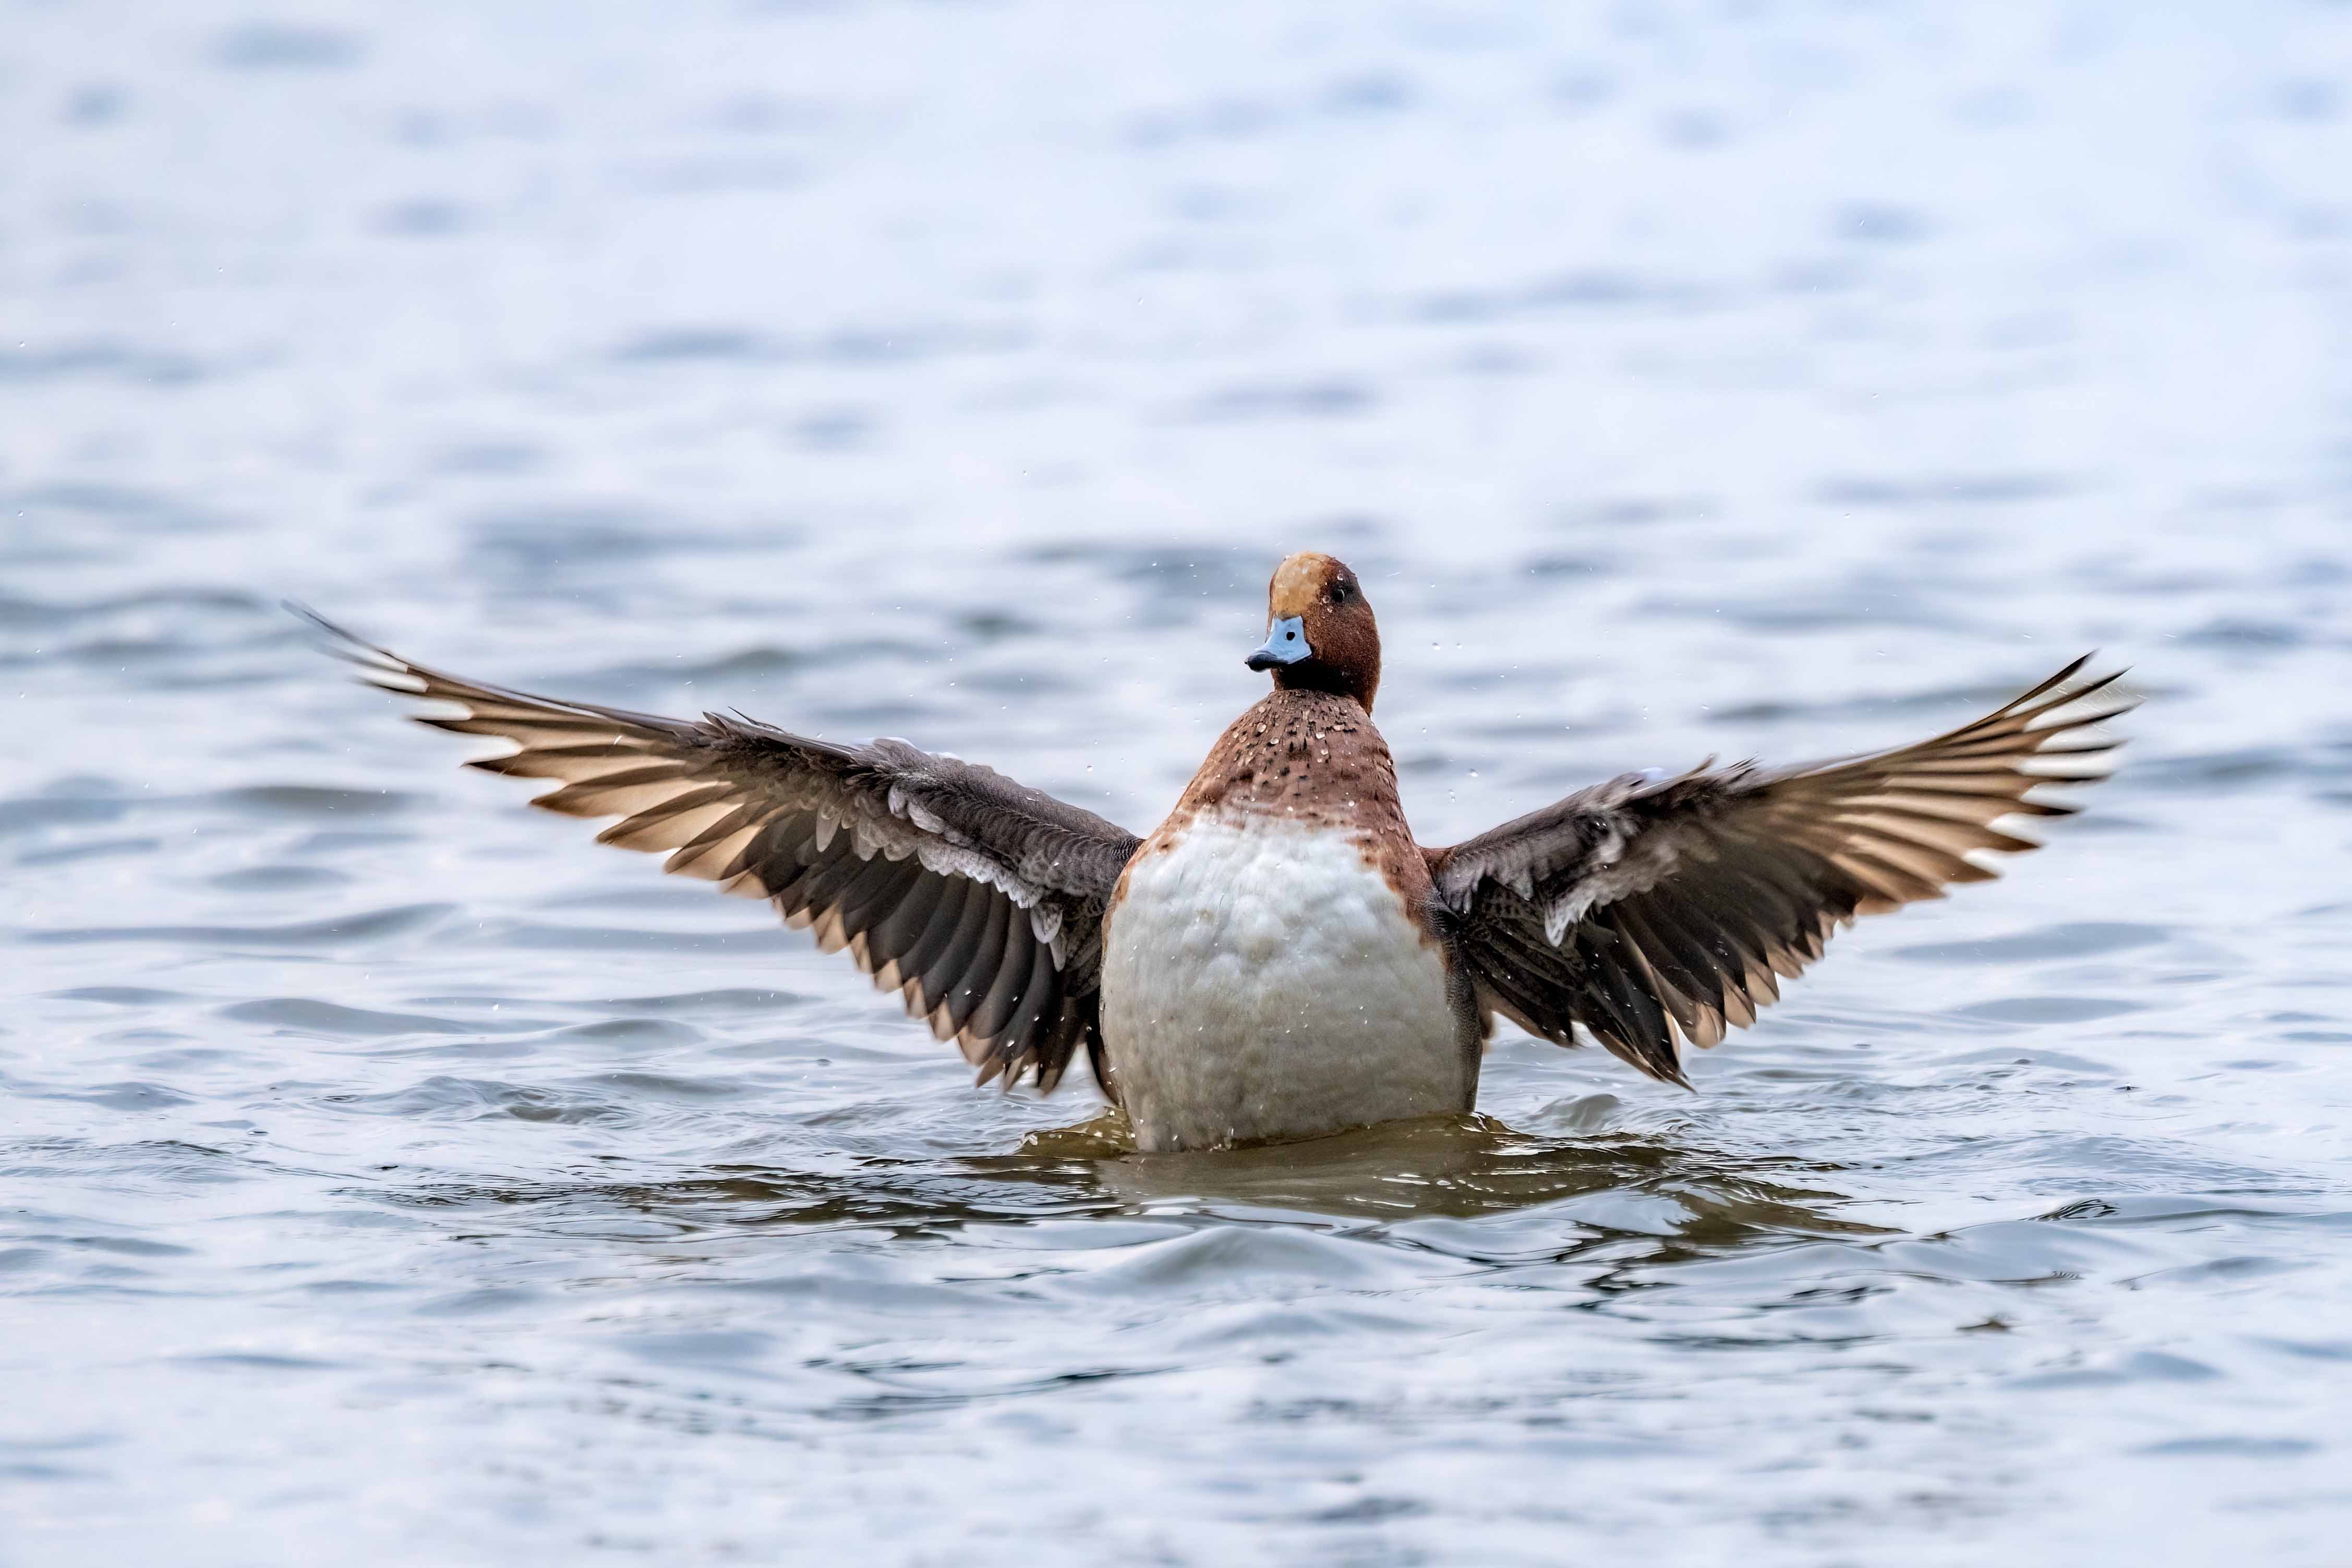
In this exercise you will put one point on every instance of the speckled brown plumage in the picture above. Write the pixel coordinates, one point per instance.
(1313, 758)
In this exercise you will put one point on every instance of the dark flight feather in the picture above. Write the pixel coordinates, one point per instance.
(978, 900)
(1655, 912)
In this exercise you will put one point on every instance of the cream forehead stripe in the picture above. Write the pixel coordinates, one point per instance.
(1297, 584)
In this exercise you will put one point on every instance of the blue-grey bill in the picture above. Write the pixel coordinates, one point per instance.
(1285, 643)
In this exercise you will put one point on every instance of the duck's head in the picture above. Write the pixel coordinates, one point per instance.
(1320, 634)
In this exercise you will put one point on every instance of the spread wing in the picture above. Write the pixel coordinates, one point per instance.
(1657, 911)
(978, 900)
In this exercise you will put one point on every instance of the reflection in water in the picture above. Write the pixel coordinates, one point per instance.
(1459, 1167)
(1464, 1167)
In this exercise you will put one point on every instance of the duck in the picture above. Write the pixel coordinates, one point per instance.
(1280, 958)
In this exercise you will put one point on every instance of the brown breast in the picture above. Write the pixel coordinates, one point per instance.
(1316, 759)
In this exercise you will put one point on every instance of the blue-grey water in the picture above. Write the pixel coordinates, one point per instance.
(389, 1175)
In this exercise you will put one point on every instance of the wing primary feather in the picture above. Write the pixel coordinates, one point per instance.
(1003, 998)
(941, 968)
(1655, 965)
(894, 936)
(1018, 1039)
(971, 988)
(1693, 970)
(819, 885)
(877, 892)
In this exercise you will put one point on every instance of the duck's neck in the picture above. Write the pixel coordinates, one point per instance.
(1358, 679)
(1309, 755)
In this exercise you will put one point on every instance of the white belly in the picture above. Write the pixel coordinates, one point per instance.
(1263, 983)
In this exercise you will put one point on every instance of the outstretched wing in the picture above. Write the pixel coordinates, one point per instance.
(978, 900)
(1656, 911)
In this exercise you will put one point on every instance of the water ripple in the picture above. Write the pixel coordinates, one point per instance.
(389, 1174)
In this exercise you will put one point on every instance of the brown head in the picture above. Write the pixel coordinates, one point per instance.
(1321, 635)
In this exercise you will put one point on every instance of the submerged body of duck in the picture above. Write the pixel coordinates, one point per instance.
(1280, 958)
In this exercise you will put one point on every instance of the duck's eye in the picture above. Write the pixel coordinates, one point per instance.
(1339, 592)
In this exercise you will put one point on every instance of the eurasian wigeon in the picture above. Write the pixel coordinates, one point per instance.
(1280, 958)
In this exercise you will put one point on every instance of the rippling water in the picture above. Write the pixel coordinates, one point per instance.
(388, 1175)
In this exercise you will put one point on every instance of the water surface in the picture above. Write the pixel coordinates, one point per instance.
(387, 1174)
